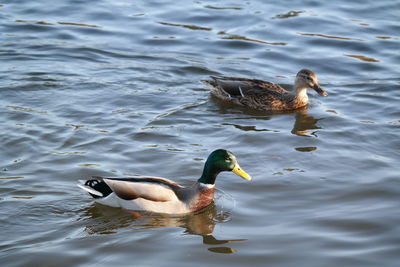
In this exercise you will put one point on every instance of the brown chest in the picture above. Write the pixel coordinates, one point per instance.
(204, 198)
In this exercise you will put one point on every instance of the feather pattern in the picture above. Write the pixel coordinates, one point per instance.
(263, 95)
(162, 195)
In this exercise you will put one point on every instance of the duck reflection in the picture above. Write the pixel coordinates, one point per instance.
(304, 122)
(107, 220)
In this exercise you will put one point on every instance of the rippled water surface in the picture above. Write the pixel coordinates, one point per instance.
(112, 88)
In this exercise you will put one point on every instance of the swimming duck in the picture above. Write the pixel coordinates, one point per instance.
(161, 195)
(263, 95)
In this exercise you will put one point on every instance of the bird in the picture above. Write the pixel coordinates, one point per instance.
(161, 195)
(263, 95)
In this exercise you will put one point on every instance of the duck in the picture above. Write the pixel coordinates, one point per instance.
(263, 95)
(161, 195)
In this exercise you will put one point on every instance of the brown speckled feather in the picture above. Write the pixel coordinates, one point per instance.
(253, 93)
(263, 95)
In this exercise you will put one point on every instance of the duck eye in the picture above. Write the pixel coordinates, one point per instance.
(227, 159)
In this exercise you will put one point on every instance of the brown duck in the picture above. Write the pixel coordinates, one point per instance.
(263, 95)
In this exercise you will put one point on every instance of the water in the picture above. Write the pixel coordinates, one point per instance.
(112, 88)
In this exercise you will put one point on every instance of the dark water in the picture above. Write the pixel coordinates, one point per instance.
(112, 88)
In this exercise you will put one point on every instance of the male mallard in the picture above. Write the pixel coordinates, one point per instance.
(162, 195)
(262, 95)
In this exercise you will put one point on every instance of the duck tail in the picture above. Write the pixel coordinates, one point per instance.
(96, 187)
(209, 83)
(212, 83)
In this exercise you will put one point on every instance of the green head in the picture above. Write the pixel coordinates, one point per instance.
(218, 161)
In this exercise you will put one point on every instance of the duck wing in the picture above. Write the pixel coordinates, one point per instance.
(240, 87)
(148, 187)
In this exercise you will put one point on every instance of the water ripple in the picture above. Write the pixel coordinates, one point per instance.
(112, 88)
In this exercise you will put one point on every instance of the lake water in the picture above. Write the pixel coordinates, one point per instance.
(112, 88)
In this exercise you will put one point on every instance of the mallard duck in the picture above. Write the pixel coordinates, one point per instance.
(262, 95)
(162, 195)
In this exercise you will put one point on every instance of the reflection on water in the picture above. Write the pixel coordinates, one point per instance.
(305, 122)
(112, 88)
(244, 38)
(329, 36)
(40, 22)
(363, 58)
(25, 109)
(222, 8)
(289, 14)
(306, 148)
(191, 27)
(106, 220)
(248, 128)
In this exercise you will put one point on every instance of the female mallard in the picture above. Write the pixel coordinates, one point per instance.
(162, 195)
(264, 95)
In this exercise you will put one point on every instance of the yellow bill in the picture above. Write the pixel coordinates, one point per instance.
(238, 171)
